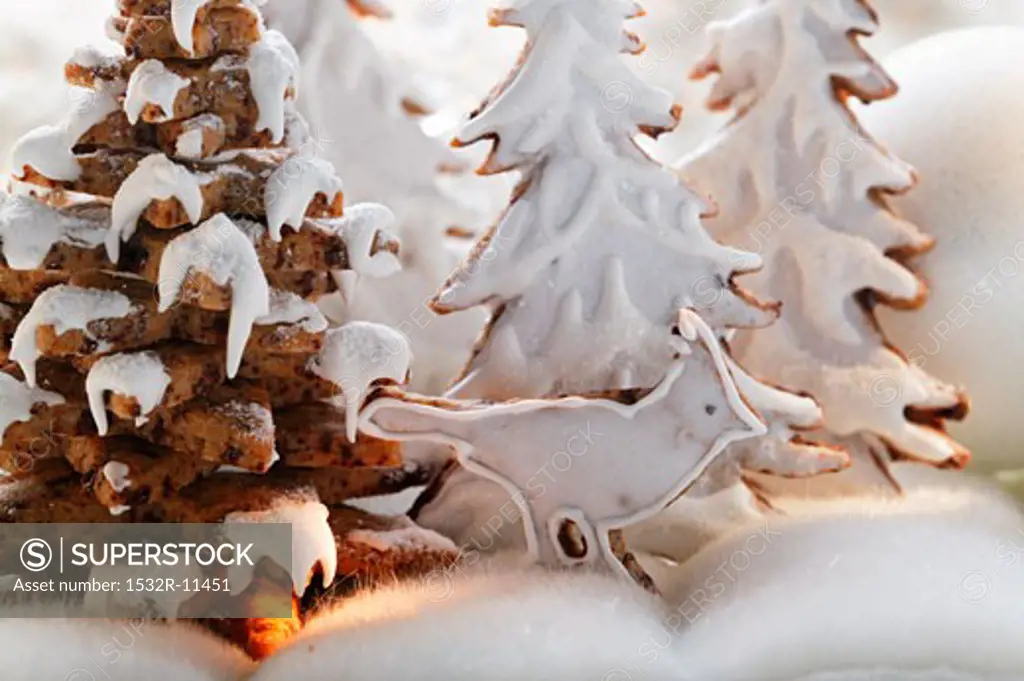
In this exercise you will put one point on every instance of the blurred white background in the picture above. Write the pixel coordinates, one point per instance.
(447, 44)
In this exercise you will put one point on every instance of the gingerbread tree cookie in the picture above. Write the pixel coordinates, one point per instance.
(799, 181)
(373, 117)
(164, 359)
(601, 248)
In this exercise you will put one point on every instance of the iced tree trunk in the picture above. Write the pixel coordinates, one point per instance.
(801, 183)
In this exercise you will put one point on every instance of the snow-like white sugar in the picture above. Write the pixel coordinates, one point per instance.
(155, 178)
(312, 542)
(152, 83)
(140, 375)
(293, 186)
(17, 400)
(357, 355)
(117, 474)
(253, 417)
(222, 252)
(288, 308)
(407, 537)
(273, 67)
(47, 149)
(29, 229)
(65, 308)
(359, 227)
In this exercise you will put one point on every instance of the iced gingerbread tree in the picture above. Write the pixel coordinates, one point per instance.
(164, 357)
(372, 116)
(801, 183)
(601, 247)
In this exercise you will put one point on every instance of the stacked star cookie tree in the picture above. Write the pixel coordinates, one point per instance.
(587, 272)
(379, 147)
(167, 360)
(812, 202)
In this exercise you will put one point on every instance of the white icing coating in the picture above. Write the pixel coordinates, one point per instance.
(312, 542)
(30, 228)
(118, 511)
(273, 68)
(48, 149)
(139, 375)
(152, 84)
(221, 251)
(293, 186)
(357, 355)
(183, 21)
(805, 202)
(604, 465)
(117, 474)
(65, 308)
(156, 178)
(360, 226)
(407, 536)
(289, 308)
(17, 400)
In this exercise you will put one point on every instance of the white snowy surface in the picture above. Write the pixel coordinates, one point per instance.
(84, 650)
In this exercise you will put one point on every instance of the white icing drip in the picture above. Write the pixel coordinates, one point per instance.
(29, 229)
(357, 355)
(155, 178)
(48, 149)
(152, 84)
(65, 308)
(359, 227)
(139, 375)
(117, 474)
(17, 400)
(222, 252)
(118, 511)
(293, 186)
(288, 308)
(312, 542)
(183, 21)
(273, 68)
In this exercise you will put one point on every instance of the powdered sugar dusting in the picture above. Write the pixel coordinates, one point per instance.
(221, 251)
(139, 375)
(408, 537)
(65, 308)
(288, 308)
(255, 419)
(17, 400)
